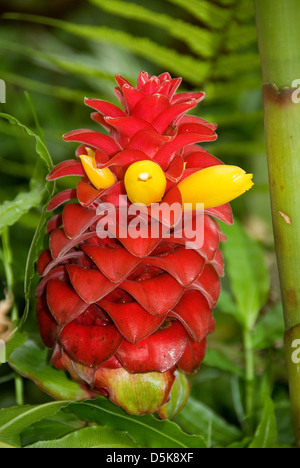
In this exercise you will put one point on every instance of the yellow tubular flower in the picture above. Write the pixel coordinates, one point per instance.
(100, 178)
(145, 183)
(215, 186)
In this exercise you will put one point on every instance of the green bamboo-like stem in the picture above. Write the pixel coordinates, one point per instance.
(279, 43)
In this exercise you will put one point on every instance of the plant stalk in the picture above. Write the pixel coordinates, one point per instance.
(7, 263)
(279, 39)
(250, 379)
(19, 390)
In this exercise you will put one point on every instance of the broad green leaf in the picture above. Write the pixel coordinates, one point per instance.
(218, 360)
(270, 329)
(14, 420)
(247, 272)
(197, 418)
(12, 211)
(266, 433)
(6, 446)
(201, 41)
(52, 428)
(90, 437)
(32, 362)
(147, 431)
(191, 69)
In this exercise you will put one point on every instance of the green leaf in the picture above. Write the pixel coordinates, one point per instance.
(6, 446)
(38, 127)
(40, 146)
(90, 437)
(227, 305)
(14, 420)
(248, 274)
(218, 360)
(242, 444)
(270, 329)
(32, 362)
(34, 250)
(197, 418)
(184, 65)
(12, 211)
(147, 431)
(266, 433)
(201, 41)
(237, 399)
(52, 428)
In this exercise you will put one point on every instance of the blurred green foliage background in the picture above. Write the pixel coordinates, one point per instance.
(73, 50)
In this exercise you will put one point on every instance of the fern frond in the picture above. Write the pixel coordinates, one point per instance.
(238, 148)
(225, 90)
(244, 11)
(227, 3)
(235, 118)
(200, 41)
(60, 92)
(232, 65)
(187, 66)
(63, 63)
(240, 36)
(208, 13)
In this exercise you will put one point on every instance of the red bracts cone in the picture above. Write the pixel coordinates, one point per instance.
(122, 315)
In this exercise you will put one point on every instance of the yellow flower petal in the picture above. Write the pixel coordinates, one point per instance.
(215, 186)
(100, 178)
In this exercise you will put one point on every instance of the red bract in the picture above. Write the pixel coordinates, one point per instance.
(123, 315)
